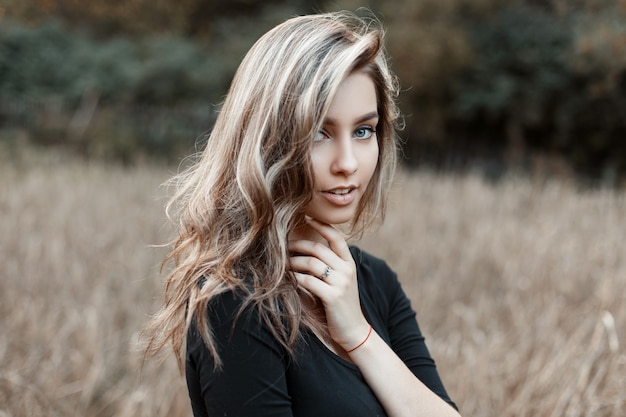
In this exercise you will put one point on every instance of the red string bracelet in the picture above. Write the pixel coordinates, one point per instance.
(363, 342)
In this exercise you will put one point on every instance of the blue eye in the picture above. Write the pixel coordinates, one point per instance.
(364, 132)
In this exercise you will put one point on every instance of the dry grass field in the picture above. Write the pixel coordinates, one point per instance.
(519, 287)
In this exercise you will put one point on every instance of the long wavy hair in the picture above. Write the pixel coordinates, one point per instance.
(236, 205)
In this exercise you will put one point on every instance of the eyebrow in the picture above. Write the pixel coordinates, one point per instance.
(364, 118)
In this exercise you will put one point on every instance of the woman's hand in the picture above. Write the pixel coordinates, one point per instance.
(336, 287)
(400, 392)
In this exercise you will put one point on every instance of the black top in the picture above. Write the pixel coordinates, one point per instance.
(259, 378)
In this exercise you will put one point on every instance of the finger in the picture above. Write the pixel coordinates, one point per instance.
(311, 266)
(311, 248)
(312, 284)
(335, 238)
(316, 258)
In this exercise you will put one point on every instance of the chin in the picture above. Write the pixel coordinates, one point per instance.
(334, 219)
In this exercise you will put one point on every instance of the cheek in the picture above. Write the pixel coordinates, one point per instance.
(369, 162)
(317, 165)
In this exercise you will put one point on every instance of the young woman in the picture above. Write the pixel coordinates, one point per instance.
(269, 310)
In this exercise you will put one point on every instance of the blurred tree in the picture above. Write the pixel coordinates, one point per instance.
(549, 78)
(38, 62)
(592, 126)
(476, 75)
(520, 74)
(115, 17)
(101, 17)
(600, 46)
(48, 61)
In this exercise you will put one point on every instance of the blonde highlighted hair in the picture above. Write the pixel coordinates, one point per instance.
(236, 205)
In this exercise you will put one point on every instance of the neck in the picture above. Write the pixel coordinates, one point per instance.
(306, 232)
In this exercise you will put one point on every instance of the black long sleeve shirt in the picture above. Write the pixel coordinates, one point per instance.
(259, 378)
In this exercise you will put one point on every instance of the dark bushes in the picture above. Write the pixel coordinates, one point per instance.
(114, 98)
(503, 80)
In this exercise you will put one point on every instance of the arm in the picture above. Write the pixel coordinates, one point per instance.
(252, 381)
(398, 389)
(399, 327)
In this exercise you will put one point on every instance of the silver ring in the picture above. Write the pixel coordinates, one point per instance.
(326, 273)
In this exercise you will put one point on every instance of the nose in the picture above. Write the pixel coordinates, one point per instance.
(345, 161)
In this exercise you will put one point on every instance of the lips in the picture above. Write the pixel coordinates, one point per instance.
(340, 196)
(341, 191)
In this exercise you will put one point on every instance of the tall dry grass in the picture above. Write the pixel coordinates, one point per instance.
(518, 286)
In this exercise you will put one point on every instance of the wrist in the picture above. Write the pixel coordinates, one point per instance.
(364, 340)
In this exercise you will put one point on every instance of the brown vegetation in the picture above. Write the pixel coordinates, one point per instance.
(519, 287)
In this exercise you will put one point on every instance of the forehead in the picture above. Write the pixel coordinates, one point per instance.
(355, 98)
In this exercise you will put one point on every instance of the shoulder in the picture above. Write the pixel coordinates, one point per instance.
(371, 266)
(246, 357)
(231, 321)
(226, 306)
(367, 260)
(374, 274)
(238, 331)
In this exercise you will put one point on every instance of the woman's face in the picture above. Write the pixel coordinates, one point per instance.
(345, 151)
